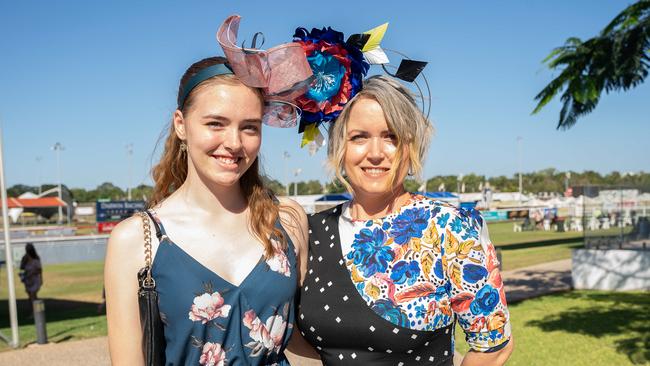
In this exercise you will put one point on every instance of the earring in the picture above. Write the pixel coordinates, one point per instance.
(183, 147)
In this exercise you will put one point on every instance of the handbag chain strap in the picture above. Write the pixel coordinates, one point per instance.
(148, 281)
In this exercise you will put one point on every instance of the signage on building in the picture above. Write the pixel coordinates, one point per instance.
(110, 213)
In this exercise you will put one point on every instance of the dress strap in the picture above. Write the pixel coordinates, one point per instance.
(160, 229)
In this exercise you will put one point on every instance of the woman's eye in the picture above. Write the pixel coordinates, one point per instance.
(357, 138)
(252, 128)
(214, 124)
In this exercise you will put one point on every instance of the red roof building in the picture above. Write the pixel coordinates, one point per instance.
(35, 202)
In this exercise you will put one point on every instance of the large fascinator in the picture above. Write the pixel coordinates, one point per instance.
(282, 72)
(339, 68)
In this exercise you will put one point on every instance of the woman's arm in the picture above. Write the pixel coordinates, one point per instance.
(124, 257)
(496, 358)
(479, 300)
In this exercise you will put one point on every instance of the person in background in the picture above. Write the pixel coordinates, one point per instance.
(31, 272)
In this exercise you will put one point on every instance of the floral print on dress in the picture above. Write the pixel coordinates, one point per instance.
(212, 355)
(279, 262)
(208, 306)
(429, 263)
(369, 253)
(267, 337)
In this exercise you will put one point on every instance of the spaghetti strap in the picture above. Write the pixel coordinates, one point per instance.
(160, 229)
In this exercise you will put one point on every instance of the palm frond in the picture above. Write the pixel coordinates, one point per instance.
(617, 59)
(628, 17)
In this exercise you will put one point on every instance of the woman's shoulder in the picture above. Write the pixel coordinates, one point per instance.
(318, 217)
(126, 251)
(130, 228)
(128, 235)
(446, 209)
(290, 211)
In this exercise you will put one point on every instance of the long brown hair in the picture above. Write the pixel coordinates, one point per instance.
(171, 171)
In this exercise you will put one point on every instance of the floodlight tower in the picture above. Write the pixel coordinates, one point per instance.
(58, 147)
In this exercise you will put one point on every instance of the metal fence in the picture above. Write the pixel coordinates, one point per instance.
(61, 249)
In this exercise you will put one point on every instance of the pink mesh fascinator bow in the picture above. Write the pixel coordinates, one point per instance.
(282, 72)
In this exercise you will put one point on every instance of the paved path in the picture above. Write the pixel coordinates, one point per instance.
(520, 284)
(538, 280)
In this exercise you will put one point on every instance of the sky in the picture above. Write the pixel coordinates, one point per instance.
(98, 76)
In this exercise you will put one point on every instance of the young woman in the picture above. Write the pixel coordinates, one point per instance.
(390, 272)
(225, 268)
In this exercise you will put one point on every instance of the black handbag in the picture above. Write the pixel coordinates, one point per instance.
(153, 338)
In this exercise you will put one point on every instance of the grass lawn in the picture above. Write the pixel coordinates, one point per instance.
(580, 328)
(71, 292)
(528, 248)
(577, 328)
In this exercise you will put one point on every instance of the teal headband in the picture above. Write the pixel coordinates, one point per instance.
(201, 76)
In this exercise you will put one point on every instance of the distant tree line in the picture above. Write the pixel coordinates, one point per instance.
(546, 180)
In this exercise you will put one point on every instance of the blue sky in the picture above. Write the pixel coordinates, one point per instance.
(97, 76)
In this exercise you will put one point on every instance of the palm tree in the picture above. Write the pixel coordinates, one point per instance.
(617, 59)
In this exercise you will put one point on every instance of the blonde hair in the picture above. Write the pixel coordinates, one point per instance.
(171, 171)
(404, 119)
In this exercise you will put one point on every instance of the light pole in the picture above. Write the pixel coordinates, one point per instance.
(40, 174)
(286, 157)
(295, 184)
(521, 185)
(13, 310)
(129, 154)
(58, 147)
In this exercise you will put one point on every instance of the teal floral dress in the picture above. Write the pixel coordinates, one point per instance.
(395, 286)
(209, 321)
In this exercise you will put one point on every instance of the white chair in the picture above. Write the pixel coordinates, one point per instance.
(606, 223)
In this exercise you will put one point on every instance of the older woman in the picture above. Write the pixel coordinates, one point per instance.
(390, 272)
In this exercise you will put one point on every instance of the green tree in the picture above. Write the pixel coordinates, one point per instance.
(411, 185)
(447, 182)
(309, 187)
(335, 187)
(18, 189)
(473, 182)
(274, 185)
(617, 59)
(109, 191)
(142, 192)
(80, 195)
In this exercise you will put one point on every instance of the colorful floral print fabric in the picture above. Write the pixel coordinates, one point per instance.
(426, 265)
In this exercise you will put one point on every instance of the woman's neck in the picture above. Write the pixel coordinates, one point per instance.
(367, 206)
(213, 199)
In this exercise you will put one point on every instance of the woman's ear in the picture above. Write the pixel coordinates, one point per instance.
(179, 125)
